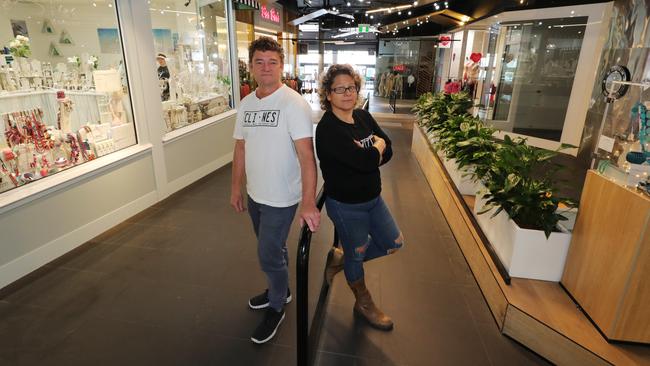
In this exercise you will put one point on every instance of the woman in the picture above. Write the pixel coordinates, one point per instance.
(351, 148)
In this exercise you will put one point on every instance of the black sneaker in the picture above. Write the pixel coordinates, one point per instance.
(261, 301)
(268, 327)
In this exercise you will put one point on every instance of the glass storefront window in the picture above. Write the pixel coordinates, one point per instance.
(64, 96)
(397, 60)
(537, 69)
(193, 60)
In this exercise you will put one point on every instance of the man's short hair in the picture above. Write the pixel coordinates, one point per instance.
(161, 55)
(264, 44)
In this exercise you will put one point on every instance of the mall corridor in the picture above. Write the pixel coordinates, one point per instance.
(170, 287)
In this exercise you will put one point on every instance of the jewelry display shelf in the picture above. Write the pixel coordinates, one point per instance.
(538, 314)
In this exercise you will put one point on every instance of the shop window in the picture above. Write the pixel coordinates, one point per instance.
(535, 75)
(64, 96)
(193, 60)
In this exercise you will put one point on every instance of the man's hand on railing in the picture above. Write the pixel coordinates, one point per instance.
(310, 214)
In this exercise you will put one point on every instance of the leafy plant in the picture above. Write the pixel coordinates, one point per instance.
(512, 185)
(19, 47)
(475, 149)
(510, 169)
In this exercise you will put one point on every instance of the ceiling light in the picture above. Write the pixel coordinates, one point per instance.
(348, 3)
(372, 16)
(415, 3)
(399, 13)
(409, 13)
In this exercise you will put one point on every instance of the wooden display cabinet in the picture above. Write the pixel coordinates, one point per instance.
(608, 266)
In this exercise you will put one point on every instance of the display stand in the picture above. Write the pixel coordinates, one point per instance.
(609, 260)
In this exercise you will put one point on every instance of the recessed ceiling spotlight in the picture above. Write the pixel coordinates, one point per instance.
(372, 16)
(409, 12)
(399, 13)
(415, 3)
(408, 27)
(349, 3)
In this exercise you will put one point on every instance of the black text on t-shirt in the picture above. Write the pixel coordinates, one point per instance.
(267, 118)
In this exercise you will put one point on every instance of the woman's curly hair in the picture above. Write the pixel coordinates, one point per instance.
(327, 80)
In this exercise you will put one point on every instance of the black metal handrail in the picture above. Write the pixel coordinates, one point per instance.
(308, 340)
(366, 103)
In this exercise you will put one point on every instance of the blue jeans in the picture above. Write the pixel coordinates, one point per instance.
(366, 231)
(271, 225)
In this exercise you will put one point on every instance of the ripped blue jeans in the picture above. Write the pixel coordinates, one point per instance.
(366, 231)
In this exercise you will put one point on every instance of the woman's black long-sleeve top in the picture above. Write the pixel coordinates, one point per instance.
(351, 172)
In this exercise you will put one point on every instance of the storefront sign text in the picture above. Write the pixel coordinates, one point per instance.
(272, 14)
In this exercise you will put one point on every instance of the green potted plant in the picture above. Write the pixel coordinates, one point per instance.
(518, 211)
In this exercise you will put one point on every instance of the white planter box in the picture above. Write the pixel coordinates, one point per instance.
(465, 185)
(524, 253)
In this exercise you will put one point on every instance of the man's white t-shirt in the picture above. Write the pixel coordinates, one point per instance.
(269, 126)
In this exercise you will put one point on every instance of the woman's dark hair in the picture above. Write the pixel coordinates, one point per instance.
(327, 80)
(263, 44)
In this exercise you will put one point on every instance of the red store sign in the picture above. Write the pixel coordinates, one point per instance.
(399, 68)
(270, 14)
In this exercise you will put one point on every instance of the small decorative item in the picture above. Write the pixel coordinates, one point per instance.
(610, 88)
(65, 37)
(54, 51)
(19, 47)
(74, 60)
(47, 27)
(93, 61)
(19, 28)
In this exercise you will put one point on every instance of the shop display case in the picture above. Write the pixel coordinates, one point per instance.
(622, 151)
(62, 103)
(192, 52)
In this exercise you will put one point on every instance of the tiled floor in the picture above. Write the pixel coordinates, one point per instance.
(170, 287)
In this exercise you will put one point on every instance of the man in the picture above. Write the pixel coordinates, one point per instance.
(273, 148)
(163, 76)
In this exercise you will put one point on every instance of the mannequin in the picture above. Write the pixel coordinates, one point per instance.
(471, 72)
(399, 85)
(410, 87)
(117, 109)
(382, 84)
(390, 82)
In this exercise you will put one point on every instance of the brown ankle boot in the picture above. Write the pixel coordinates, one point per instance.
(365, 307)
(334, 264)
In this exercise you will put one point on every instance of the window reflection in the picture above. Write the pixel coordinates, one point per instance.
(193, 60)
(537, 68)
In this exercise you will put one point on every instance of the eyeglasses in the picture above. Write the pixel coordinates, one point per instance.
(349, 89)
